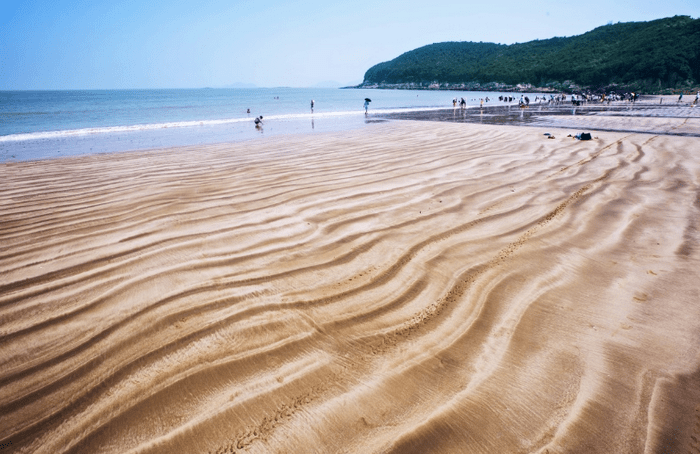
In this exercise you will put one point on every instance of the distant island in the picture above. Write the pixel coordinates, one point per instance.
(656, 57)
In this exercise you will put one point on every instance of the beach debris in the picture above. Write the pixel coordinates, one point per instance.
(583, 136)
(547, 134)
(551, 137)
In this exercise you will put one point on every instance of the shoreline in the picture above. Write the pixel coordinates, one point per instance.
(163, 138)
(657, 119)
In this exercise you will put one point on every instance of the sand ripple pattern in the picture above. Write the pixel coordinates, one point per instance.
(406, 288)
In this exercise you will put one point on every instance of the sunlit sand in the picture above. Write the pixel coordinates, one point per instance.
(409, 287)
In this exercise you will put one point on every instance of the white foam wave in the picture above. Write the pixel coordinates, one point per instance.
(187, 124)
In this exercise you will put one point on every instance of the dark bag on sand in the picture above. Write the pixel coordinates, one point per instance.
(584, 136)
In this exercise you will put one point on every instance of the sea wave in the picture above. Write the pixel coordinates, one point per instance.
(40, 135)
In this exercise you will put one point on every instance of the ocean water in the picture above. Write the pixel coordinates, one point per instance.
(48, 124)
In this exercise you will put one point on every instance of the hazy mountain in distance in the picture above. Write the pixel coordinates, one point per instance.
(240, 85)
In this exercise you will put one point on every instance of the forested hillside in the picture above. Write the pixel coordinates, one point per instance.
(656, 56)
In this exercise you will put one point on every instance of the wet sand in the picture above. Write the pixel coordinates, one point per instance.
(410, 287)
(648, 115)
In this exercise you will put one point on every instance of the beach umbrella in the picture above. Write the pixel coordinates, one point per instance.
(368, 100)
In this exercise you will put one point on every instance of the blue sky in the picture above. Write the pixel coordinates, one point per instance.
(63, 44)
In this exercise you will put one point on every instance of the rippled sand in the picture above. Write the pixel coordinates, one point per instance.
(411, 287)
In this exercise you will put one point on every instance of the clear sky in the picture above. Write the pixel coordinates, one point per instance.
(73, 44)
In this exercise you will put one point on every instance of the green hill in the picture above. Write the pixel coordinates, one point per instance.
(656, 56)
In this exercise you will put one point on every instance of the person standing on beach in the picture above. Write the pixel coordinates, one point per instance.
(680, 97)
(312, 106)
(366, 106)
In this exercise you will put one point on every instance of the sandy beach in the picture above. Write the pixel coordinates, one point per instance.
(408, 287)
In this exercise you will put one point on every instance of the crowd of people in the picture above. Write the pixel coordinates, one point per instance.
(576, 99)
(463, 102)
